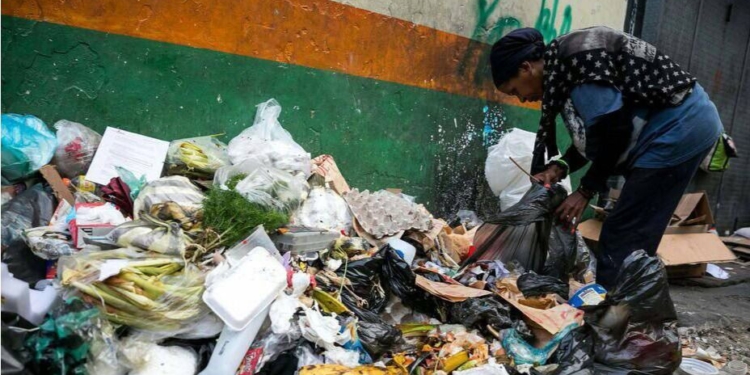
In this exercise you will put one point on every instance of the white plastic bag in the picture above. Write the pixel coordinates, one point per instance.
(200, 156)
(76, 146)
(271, 144)
(324, 209)
(267, 186)
(505, 179)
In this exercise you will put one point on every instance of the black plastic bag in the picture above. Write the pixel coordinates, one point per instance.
(285, 364)
(32, 208)
(631, 331)
(401, 281)
(574, 353)
(533, 285)
(481, 312)
(15, 355)
(522, 232)
(370, 293)
(378, 337)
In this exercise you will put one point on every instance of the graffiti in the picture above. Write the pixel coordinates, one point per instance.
(545, 22)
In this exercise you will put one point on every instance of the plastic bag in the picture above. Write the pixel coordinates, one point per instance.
(47, 243)
(30, 209)
(117, 192)
(27, 145)
(274, 188)
(524, 353)
(271, 144)
(378, 337)
(402, 283)
(155, 293)
(196, 157)
(522, 233)
(147, 357)
(533, 285)
(631, 330)
(175, 189)
(480, 313)
(135, 184)
(324, 209)
(150, 233)
(469, 219)
(68, 338)
(368, 294)
(505, 178)
(76, 146)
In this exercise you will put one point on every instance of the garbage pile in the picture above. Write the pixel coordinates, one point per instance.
(253, 258)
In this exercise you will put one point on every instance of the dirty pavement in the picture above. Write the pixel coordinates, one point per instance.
(253, 257)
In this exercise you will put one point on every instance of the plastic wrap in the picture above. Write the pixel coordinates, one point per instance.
(148, 291)
(402, 283)
(524, 353)
(271, 144)
(48, 243)
(324, 209)
(27, 145)
(196, 157)
(76, 146)
(175, 189)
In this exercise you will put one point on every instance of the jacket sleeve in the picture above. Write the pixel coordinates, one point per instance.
(606, 141)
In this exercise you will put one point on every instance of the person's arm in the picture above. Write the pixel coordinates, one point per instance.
(606, 141)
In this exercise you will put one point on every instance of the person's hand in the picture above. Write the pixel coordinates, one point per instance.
(552, 175)
(570, 211)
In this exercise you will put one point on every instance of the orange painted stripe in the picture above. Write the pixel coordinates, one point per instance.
(319, 34)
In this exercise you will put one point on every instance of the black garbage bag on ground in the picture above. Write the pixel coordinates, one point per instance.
(30, 209)
(533, 285)
(370, 293)
(631, 331)
(481, 312)
(378, 337)
(401, 281)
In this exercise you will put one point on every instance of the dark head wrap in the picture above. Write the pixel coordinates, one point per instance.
(513, 49)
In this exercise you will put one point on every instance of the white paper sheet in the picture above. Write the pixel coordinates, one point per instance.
(137, 153)
(716, 271)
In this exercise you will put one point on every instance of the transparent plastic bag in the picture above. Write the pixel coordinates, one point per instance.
(271, 144)
(324, 209)
(150, 233)
(177, 189)
(27, 145)
(274, 188)
(198, 157)
(76, 146)
(155, 293)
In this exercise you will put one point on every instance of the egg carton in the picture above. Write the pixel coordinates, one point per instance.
(384, 214)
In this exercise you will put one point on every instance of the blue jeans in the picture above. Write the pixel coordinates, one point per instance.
(642, 213)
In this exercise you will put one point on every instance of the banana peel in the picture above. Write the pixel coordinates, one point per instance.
(328, 302)
(343, 370)
(455, 361)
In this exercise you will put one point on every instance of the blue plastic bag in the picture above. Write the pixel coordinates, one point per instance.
(27, 145)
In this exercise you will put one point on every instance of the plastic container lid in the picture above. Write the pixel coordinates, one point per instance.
(242, 293)
(302, 240)
(690, 366)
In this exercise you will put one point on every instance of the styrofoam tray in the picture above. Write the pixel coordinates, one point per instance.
(246, 289)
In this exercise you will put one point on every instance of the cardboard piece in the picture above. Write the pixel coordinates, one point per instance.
(685, 271)
(542, 312)
(675, 249)
(326, 167)
(736, 240)
(449, 292)
(693, 209)
(50, 174)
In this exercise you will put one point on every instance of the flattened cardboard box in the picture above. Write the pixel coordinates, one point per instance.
(676, 249)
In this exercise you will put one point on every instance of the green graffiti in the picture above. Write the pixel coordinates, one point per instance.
(545, 22)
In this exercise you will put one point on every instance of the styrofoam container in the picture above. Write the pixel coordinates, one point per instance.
(691, 366)
(245, 290)
(232, 345)
(30, 304)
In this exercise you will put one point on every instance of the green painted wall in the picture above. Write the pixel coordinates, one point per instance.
(381, 134)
